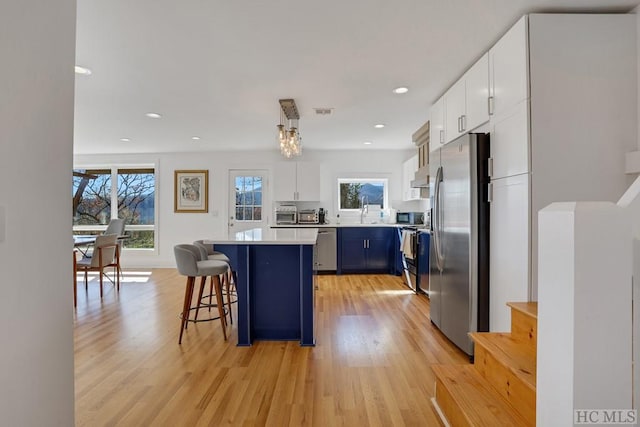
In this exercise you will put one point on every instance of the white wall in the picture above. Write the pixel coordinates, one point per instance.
(632, 160)
(177, 228)
(37, 47)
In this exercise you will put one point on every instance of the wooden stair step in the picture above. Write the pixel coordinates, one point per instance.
(524, 323)
(509, 353)
(509, 365)
(467, 399)
(528, 308)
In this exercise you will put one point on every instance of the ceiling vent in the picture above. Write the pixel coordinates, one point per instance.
(323, 111)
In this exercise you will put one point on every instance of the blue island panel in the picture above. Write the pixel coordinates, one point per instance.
(276, 295)
(275, 291)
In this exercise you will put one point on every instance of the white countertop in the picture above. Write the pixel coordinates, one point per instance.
(420, 227)
(269, 236)
(355, 224)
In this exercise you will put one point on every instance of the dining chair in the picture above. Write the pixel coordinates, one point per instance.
(116, 226)
(191, 262)
(106, 254)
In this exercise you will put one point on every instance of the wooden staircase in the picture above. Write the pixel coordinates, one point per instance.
(499, 389)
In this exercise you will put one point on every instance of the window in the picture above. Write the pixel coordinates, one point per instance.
(355, 192)
(102, 194)
(248, 198)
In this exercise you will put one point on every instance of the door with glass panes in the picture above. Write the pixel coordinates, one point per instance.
(248, 199)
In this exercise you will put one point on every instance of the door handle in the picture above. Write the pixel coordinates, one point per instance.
(442, 136)
(490, 166)
(490, 192)
(490, 105)
(463, 123)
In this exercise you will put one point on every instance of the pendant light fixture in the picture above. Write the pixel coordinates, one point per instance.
(289, 138)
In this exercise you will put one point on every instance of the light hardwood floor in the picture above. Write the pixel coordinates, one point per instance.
(371, 364)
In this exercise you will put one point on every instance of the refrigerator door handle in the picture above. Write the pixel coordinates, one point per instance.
(434, 218)
(437, 229)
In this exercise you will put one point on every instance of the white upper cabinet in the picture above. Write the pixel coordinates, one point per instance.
(477, 94)
(467, 101)
(510, 143)
(308, 181)
(296, 181)
(454, 110)
(509, 69)
(437, 131)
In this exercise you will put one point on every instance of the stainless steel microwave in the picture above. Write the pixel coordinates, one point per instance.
(413, 218)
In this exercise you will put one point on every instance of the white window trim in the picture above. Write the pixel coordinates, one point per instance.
(114, 208)
(384, 181)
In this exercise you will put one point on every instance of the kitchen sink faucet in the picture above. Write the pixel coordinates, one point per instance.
(364, 207)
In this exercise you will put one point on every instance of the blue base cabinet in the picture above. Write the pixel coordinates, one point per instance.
(366, 250)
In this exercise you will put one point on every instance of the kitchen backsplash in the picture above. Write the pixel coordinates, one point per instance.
(374, 214)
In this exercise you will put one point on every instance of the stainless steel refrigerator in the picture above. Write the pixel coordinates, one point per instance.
(459, 257)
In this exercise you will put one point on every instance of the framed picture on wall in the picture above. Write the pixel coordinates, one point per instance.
(191, 191)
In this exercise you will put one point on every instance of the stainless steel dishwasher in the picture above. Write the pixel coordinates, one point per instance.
(327, 249)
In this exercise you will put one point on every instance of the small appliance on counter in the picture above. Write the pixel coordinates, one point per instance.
(286, 214)
(410, 218)
(308, 216)
(322, 219)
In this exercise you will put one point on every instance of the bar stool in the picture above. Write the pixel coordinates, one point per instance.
(229, 282)
(189, 262)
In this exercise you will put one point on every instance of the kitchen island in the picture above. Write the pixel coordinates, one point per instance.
(275, 283)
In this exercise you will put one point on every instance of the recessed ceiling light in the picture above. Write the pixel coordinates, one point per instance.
(195, 138)
(401, 89)
(125, 139)
(153, 115)
(367, 143)
(82, 70)
(379, 126)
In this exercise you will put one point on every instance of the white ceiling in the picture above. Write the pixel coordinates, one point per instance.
(216, 68)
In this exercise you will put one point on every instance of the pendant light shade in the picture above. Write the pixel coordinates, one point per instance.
(288, 137)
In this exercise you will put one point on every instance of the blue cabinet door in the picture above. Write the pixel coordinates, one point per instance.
(424, 246)
(354, 257)
(366, 249)
(379, 244)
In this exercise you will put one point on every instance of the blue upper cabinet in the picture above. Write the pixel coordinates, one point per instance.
(366, 250)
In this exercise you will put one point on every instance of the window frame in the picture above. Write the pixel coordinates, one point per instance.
(252, 206)
(383, 181)
(114, 206)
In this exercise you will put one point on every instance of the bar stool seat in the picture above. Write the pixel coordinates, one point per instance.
(190, 263)
(208, 251)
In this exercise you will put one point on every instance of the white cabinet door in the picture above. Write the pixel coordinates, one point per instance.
(284, 182)
(454, 110)
(308, 181)
(436, 129)
(477, 94)
(510, 142)
(510, 247)
(296, 181)
(509, 69)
